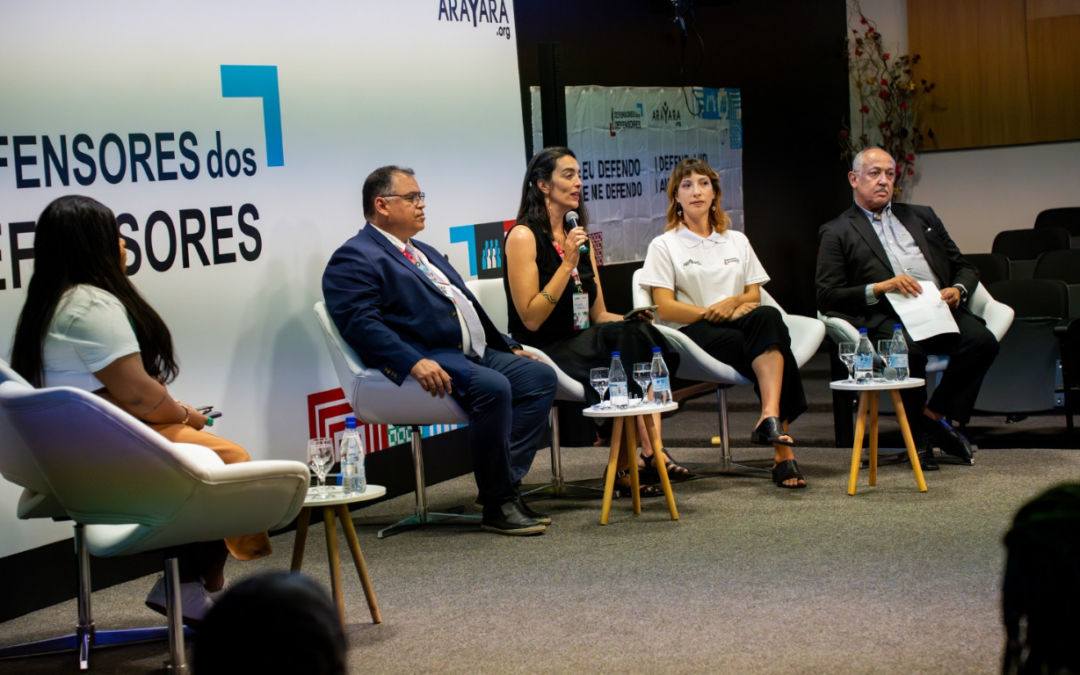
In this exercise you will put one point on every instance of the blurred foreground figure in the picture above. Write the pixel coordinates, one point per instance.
(1041, 597)
(272, 623)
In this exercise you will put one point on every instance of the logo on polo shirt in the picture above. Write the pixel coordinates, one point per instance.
(729, 261)
(691, 261)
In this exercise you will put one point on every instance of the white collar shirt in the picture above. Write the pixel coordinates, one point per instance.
(701, 270)
(466, 339)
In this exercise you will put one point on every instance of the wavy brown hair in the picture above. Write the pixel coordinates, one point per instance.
(718, 219)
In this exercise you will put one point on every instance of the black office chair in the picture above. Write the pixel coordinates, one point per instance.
(1063, 266)
(1024, 378)
(1023, 247)
(1068, 217)
(993, 267)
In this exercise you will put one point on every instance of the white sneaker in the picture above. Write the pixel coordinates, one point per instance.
(195, 601)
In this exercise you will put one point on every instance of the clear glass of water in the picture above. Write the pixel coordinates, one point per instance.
(847, 356)
(320, 453)
(884, 350)
(643, 377)
(598, 378)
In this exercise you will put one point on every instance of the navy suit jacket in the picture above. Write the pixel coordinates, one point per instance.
(392, 314)
(850, 256)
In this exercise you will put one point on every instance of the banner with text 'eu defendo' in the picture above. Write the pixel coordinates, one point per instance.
(628, 139)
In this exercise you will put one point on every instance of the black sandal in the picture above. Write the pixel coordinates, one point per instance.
(785, 471)
(769, 432)
(674, 471)
(644, 491)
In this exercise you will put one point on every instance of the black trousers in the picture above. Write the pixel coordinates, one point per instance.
(970, 352)
(737, 343)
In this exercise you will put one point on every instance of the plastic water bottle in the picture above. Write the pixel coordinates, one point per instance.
(864, 359)
(661, 382)
(353, 477)
(620, 397)
(899, 353)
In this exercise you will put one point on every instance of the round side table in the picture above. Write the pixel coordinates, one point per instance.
(336, 504)
(624, 439)
(868, 399)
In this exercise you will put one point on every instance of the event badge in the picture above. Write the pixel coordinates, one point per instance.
(581, 311)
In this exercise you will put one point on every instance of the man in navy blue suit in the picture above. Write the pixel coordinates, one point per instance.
(405, 311)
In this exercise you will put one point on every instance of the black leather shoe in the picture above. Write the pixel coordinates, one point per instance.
(952, 442)
(509, 519)
(925, 448)
(541, 518)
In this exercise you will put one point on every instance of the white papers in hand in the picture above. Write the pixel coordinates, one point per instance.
(924, 315)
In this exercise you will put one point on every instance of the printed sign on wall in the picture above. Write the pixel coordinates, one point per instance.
(232, 140)
(628, 139)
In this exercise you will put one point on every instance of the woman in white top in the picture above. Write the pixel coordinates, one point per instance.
(85, 325)
(705, 279)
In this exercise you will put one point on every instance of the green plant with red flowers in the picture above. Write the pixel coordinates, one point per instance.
(889, 98)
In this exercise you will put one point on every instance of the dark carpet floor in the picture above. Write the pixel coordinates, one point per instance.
(751, 579)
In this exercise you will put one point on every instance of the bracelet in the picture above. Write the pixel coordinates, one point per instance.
(549, 298)
(187, 414)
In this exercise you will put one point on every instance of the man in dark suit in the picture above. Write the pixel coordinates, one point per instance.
(877, 247)
(405, 311)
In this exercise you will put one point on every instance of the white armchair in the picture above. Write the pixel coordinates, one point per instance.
(696, 365)
(129, 490)
(998, 317)
(377, 400)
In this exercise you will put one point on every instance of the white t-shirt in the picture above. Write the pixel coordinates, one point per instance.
(89, 330)
(701, 271)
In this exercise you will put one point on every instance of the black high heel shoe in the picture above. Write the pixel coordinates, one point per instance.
(769, 432)
(644, 491)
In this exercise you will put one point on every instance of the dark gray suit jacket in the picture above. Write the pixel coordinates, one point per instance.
(850, 256)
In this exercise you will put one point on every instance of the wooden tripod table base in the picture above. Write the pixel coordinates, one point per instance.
(624, 442)
(335, 507)
(868, 402)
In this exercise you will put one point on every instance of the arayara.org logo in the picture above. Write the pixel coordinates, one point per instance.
(476, 12)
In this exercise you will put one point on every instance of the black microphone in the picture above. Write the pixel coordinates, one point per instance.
(572, 218)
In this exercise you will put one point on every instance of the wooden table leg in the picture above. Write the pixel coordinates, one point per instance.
(905, 430)
(630, 443)
(300, 542)
(874, 402)
(661, 468)
(609, 476)
(335, 561)
(860, 431)
(358, 560)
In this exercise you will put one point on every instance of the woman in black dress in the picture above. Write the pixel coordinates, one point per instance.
(545, 270)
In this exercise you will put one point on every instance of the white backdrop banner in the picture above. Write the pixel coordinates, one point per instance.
(232, 139)
(628, 139)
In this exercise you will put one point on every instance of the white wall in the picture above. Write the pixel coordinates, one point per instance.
(979, 193)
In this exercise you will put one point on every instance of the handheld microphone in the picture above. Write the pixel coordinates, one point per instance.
(572, 218)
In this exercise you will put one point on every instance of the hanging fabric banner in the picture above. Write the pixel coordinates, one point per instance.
(628, 139)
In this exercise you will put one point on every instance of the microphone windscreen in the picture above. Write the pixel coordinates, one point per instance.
(572, 218)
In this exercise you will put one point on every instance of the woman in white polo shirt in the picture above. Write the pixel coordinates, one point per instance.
(705, 279)
(85, 325)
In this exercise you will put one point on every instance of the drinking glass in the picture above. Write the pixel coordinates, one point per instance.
(598, 378)
(884, 350)
(643, 377)
(847, 355)
(320, 452)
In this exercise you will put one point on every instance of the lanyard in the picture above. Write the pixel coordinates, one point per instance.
(574, 272)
